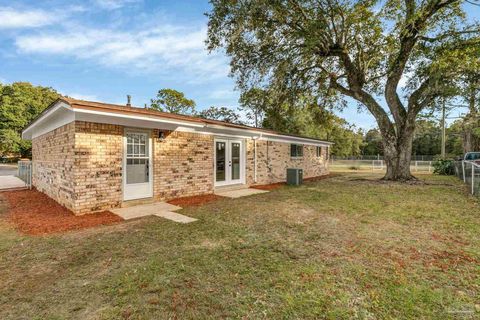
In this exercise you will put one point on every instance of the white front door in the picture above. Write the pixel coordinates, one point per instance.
(137, 164)
(229, 162)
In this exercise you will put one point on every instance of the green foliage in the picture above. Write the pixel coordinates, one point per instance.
(444, 167)
(427, 139)
(173, 101)
(428, 136)
(221, 114)
(20, 103)
(306, 118)
(372, 143)
(253, 103)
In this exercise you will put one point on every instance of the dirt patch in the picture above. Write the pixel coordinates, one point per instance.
(34, 213)
(195, 201)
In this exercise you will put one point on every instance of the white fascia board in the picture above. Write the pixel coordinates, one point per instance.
(59, 115)
(114, 115)
(295, 140)
(142, 121)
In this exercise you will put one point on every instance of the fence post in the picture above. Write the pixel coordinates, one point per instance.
(429, 166)
(473, 176)
(463, 171)
(31, 175)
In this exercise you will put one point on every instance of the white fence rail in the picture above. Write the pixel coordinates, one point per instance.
(377, 165)
(25, 172)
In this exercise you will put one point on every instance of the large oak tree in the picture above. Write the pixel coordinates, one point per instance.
(20, 103)
(382, 54)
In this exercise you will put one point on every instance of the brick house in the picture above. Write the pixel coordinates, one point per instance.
(92, 156)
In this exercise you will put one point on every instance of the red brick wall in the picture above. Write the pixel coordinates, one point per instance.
(98, 160)
(80, 164)
(273, 159)
(53, 164)
(182, 165)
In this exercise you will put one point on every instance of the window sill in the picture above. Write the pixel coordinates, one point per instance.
(296, 158)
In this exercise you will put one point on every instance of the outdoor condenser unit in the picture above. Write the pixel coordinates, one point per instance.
(294, 176)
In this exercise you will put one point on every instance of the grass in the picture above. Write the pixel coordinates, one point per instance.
(341, 248)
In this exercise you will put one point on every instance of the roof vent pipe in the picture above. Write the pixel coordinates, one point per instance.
(129, 100)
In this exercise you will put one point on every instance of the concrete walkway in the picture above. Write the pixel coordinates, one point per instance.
(8, 169)
(159, 209)
(11, 183)
(240, 193)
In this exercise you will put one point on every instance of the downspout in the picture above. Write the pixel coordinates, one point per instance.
(255, 158)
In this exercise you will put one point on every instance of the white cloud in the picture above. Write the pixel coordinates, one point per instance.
(223, 94)
(114, 4)
(11, 18)
(158, 50)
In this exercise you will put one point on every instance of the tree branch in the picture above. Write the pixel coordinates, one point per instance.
(372, 105)
(408, 38)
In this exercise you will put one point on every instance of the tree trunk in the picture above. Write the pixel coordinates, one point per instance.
(398, 155)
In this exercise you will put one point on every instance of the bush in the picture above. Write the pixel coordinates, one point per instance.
(445, 167)
(354, 168)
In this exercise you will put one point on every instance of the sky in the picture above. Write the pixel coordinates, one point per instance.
(102, 50)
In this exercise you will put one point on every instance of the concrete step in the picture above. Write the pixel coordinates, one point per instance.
(137, 202)
(143, 210)
(231, 187)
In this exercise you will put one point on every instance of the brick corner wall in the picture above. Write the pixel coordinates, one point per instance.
(53, 164)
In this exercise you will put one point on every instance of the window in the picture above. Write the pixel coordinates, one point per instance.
(319, 152)
(296, 150)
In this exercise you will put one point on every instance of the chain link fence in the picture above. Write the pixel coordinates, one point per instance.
(25, 172)
(469, 172)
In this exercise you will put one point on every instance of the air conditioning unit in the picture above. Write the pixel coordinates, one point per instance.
(294, 176)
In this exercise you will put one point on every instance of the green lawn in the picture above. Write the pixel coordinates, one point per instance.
(342, 248)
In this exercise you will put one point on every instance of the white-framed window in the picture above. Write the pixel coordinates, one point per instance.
(319, 152)
(296, 150)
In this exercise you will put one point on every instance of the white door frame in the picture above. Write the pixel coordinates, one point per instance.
(228, 158)
(137, 190)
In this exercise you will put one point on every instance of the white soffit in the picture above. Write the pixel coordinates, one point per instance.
(59, 115)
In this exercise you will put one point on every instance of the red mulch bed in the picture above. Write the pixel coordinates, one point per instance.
(269, 187)
(34, 213)
(194, 201)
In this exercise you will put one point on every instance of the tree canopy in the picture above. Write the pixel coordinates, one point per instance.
(173, 101)
(221, 114)
(20, 103)
(365, 50)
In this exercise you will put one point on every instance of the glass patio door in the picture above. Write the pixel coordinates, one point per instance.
(137, 175)
(229, 162)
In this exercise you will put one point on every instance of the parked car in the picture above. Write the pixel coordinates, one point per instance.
(472, 156)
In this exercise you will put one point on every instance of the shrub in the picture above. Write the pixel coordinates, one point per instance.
(354, 168)
(445, 167)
